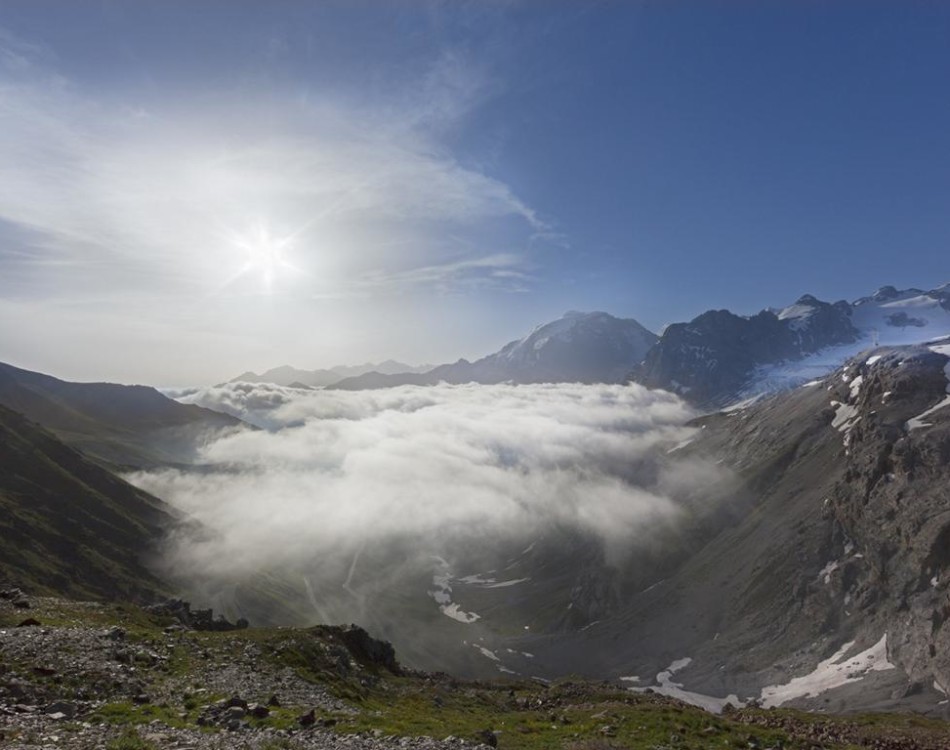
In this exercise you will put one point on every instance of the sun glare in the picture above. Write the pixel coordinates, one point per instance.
(265, 255)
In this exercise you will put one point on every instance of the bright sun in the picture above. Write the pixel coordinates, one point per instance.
(264, 254)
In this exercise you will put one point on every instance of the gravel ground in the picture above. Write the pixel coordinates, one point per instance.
(40, 732)
(54, 678)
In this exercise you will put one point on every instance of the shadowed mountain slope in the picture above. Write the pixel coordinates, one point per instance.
(123, 425)
(67, 525)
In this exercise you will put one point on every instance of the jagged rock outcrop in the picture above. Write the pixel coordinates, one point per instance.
(369, 650)
(892, 505)
(198, 619)
(720, 358)
(710, 359)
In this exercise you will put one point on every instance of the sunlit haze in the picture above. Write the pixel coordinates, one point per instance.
(188, 194)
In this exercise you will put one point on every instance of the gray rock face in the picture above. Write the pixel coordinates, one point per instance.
(835, 531)
(719, 357)
(711, 358)
(893, 505)
(594, 597)
(368, 649)
(883, 540)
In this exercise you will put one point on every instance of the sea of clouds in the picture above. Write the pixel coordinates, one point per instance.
(323, 473)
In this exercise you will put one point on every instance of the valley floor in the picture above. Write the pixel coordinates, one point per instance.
(92, 675)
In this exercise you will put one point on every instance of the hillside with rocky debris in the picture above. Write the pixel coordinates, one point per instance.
(86, 675)
(828, 587)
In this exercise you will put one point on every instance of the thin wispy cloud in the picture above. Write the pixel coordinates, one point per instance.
(142, 199)
(150, 187)
(447, 276)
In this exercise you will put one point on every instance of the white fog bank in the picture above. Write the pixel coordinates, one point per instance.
(335, 470)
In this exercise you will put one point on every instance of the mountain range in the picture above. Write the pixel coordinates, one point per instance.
(292, 377)
(720, 357)
(716, 359)
(814, 572)
(578, 347)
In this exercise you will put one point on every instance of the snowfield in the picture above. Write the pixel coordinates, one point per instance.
(837, 670)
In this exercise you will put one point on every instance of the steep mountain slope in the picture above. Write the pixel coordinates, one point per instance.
(829, 588)
(578, 347)
(720, 358)
(69, 526)
(710, 359)
(291, 376)
(811, 573)
(125, 425)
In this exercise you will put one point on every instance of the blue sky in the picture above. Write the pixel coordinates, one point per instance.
(194, 189)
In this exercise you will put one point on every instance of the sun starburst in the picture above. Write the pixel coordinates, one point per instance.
(266, 255)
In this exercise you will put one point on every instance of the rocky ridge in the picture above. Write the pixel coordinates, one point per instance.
(719, 358)
(891, 506)
(710, 359)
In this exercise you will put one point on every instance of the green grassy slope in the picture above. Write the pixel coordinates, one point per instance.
(66, 524)
(122, 425)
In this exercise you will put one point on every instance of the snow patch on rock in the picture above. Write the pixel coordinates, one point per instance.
(666, 686)
(837, 670)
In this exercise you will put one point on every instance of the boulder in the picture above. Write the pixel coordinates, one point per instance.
(68, 710)
(367, 649)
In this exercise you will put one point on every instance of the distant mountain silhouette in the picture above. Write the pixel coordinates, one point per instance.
(294, 378)
(576, 348)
